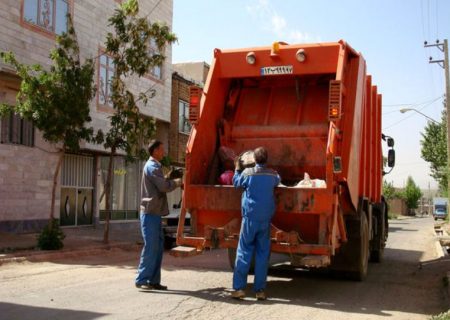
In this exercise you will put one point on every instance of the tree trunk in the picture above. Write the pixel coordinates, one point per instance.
(55, 184)
(107, 191)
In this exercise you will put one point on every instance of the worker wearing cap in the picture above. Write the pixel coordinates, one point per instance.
(258, 207)
(154, 187)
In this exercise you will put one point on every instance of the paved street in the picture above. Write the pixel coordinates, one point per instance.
(101, 287)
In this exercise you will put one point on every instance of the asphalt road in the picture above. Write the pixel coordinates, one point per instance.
(407, 285)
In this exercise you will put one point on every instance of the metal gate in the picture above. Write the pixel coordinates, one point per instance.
(77, 186)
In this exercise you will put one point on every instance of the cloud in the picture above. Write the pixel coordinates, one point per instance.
(270, 20)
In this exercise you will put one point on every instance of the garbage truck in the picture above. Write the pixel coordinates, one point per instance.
(317, 112)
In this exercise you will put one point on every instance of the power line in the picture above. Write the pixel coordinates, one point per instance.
(411, 104)
(407, 117)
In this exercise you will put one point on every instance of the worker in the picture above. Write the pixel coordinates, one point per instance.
(258, 207)
(154, 187)
(226, 178)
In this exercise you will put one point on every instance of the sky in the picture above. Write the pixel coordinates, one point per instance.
(390, 34)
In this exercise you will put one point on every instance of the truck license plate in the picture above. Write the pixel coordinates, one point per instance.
(268, 71)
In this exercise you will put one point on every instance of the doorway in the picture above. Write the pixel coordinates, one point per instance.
(77, 188)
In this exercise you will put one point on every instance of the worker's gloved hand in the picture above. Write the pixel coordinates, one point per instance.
(237, 165)
(178, 182)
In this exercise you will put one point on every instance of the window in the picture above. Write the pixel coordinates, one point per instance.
(183, 117)
(106, 73)
(50, 15)
(155, 71)
(15, 130)
(125, 193)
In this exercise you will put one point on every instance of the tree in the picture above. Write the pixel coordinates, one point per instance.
(434, 150)
(389, 192)
(57, 100)
(129, 47)
(412, 194)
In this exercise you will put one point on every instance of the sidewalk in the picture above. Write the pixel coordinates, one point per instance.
(78, 241)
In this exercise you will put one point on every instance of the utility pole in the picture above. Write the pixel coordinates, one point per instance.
(444, 64)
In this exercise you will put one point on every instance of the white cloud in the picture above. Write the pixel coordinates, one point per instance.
(270, 20)
(278, 24)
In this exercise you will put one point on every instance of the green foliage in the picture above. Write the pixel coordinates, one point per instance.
(129, 46)
(442, 316)
(57, 100)
(434, 150)
(389, 192)
(166, 161)
(51, 237)
(412, 194)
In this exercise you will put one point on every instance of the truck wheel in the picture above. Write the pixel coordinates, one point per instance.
(352, 259)
(361, 252)
(379, 241)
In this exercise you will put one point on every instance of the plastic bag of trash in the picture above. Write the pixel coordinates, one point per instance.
(307, 182)
(246, 160)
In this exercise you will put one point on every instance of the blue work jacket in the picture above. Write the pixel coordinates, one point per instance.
(154, 187)
(258, 200)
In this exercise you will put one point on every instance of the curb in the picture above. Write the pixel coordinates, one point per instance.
(72, 253)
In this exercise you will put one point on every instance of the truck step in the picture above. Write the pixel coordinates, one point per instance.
(184, 252)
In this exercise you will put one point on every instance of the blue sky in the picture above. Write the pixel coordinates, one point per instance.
(389, 34)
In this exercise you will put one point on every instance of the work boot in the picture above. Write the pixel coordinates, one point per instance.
(261, 295)
(238, 294)
(149, 286)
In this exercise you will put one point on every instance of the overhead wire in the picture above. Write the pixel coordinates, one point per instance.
(412, 114)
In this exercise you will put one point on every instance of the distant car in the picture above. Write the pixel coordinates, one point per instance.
(440, 213)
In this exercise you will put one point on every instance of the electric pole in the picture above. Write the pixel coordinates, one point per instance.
(444, 64)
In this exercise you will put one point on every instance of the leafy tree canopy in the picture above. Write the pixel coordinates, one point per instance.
(57, 100)
(434, 150)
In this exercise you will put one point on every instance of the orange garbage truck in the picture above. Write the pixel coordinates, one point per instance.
(317, 112)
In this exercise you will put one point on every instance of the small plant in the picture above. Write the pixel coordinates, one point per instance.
(51, 237)
(442, 316)
(392, 215)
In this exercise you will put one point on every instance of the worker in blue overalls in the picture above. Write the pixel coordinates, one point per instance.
(258, 207)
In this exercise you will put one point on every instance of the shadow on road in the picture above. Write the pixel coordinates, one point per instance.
(19, 311)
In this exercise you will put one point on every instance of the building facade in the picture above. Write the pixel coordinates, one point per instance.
(184, 76)
(27, 162)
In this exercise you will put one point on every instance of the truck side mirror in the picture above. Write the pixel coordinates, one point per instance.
(391, 158)
(390, 142)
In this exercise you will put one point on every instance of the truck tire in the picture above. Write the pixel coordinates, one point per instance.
(361, 252)
(351, 262)
(379, 240)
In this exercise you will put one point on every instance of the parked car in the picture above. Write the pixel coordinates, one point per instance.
(440, 213)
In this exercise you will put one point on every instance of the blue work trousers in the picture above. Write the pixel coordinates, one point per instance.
(254, 238)
(149, 270)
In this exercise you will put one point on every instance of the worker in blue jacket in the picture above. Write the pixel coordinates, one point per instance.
(258, 207)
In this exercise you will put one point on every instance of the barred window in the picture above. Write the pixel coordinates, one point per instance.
(15, 130)
(155, 71)
(50, 15)
(106, 73)
(183, 117)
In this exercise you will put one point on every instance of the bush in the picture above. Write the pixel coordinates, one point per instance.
(442, 316)
(51, 238)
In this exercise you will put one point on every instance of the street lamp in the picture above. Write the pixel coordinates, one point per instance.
(412, 109)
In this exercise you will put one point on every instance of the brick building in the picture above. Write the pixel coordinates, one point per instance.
(185, 75)
(27, 162)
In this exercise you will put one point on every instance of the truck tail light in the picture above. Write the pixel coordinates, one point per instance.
(195, 94)
(335, 100)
